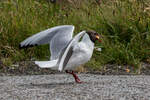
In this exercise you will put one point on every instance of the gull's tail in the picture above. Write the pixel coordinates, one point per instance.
(47, 64)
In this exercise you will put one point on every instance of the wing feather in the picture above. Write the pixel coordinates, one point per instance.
(58, 37)
(44, 37)
(64, 57)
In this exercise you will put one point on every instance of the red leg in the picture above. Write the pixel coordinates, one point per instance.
(75, 76)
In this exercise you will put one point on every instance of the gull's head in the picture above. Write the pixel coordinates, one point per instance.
(94, 36)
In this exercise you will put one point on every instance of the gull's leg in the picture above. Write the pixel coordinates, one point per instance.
(75, 76)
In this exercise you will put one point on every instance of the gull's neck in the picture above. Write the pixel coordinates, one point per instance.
(86, 39)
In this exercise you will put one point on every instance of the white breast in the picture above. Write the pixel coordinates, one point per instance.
(82, 52)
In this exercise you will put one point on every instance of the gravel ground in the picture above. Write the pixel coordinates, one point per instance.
(62, 87)
(29, 68)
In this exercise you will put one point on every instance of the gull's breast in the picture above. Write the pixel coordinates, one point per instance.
(81, 54)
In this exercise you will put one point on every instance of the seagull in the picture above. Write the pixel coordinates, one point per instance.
(67, 52)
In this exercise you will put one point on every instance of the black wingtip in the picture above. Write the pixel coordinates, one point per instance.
(20, 47)
(27, 46)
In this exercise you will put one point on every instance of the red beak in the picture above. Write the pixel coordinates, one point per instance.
(98, 38)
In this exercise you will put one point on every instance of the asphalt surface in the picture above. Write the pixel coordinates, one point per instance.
(63, 87)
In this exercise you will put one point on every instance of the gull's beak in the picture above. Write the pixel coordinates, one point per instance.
(98, 38)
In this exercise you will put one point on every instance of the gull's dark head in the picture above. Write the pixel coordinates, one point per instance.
(93, 36)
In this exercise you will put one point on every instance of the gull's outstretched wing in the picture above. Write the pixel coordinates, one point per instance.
(58, 37)
(64, 58)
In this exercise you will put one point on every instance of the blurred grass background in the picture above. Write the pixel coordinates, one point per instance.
(124, 25)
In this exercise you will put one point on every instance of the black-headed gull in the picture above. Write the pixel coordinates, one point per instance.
(67, 52)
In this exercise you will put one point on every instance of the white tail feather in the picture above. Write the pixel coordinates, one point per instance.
(46, 64)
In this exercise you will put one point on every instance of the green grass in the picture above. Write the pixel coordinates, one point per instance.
(123, 24)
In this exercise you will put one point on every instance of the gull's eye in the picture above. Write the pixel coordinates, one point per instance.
(95, 34)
